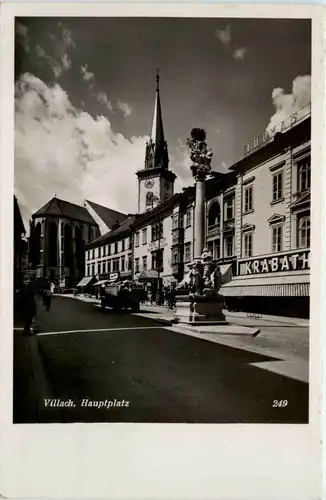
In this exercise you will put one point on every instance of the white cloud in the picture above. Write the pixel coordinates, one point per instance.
(60, 149)
(239, 54)
(180, 163)
(88, 76)
(58, 59)
(287, 104)
(125, 108)
(103, 99)
(224, 35)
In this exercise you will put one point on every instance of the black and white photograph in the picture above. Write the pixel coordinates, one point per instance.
(161, 253)
(162, 188)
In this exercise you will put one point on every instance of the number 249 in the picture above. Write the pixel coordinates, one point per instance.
(280, 403)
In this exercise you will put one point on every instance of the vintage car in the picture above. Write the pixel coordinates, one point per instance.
(121, 295)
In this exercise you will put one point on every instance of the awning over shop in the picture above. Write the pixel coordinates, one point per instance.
(85, 281)
(149, 274)
(226, 271)
(102, 282)
(289, 286)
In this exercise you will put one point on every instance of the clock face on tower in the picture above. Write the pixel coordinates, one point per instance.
(149, 183)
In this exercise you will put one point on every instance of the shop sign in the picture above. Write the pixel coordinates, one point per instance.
(114, 276)
(125, 273)
(156, 245)
(280, 127)
(289, 262)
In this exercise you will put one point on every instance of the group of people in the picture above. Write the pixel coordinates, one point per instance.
(165, 297)
(25, 303)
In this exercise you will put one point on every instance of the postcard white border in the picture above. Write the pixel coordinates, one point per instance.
(157, 461)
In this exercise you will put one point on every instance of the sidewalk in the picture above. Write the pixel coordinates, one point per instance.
(30, 383)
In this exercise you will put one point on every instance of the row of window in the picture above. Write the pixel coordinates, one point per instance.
(110, 249)
(303, 237)
(303, 184)
(110, 266)
(157, 262)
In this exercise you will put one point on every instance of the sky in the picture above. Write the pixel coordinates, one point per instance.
(85, 90)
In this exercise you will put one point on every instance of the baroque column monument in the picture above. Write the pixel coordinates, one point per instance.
(198, 299)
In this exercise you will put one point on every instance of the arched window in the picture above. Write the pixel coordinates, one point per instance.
(304, 232)
(53, 244)
(68, 251)
(149, 199)
(214, 214)
(304, 175)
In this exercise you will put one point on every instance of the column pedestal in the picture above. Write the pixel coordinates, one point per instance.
(200, 310)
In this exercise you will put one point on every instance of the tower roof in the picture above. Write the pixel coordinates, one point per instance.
(157, 134)
(156, 149)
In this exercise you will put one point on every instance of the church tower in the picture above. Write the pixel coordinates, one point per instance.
(155, 181)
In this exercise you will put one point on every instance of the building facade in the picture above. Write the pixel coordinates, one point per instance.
(272, 224)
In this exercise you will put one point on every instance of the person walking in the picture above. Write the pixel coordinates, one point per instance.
(28, 308)
(47, 298)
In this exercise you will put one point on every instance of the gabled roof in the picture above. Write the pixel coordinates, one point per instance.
(115, 235)
(108, 216)
(61, 208)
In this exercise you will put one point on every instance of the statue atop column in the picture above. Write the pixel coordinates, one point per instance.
(200, 155)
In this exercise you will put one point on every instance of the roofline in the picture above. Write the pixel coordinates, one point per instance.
(45, 215)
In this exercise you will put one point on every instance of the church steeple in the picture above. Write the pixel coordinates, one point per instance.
(155, 181)
(156, 149)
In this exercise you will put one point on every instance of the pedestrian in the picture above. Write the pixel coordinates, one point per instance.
(47, 298)
(27, 308)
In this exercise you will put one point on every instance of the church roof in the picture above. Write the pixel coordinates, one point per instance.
(122, 230)
(108, 216)
(62, 208)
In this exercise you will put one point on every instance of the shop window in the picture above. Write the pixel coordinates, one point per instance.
(137, 240)
(229, 209)
(214, 214)
(304, 231)
(187, 252)
(229, 245)
(144, 263)
(188, 218)
(304, 174)
(278, 186)
(277, 238)
(247, 244)
(144, 235)
(248, 199)
(137, 265)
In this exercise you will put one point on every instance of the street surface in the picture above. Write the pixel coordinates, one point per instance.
(84, 353)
